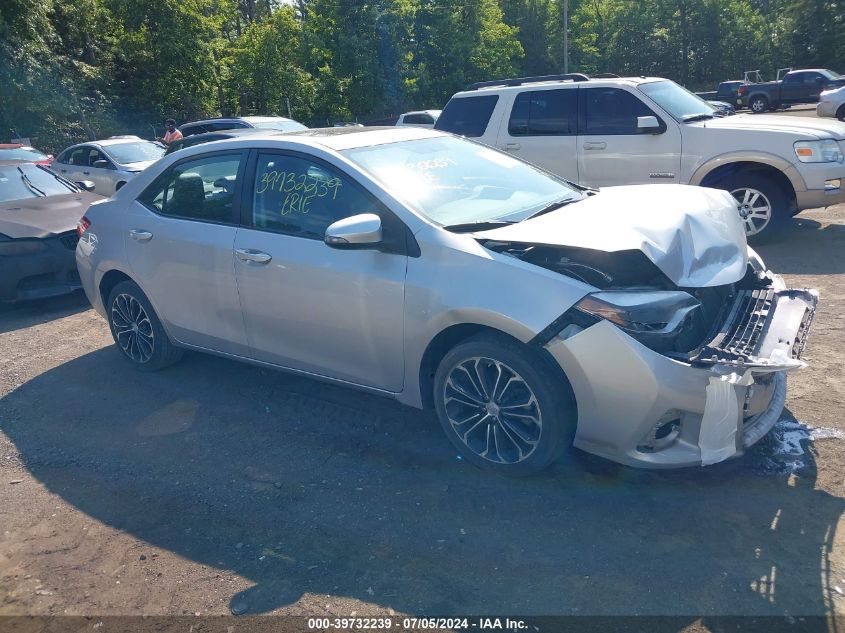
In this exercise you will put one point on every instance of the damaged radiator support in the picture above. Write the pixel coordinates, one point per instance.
(758, 328)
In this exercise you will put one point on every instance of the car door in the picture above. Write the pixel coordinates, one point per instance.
(179, 238)
(73, 162)
(613, 150)
(542, 129)
(306, 305)
(102, 177)
(793, 88)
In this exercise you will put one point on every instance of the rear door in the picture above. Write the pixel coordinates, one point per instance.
(542, 128)
(307, 306)
(179, 240)
(613, 150)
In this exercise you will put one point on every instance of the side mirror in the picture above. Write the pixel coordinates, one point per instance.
(648, 123)
(101, 164)
(358, 231)
(86, 185)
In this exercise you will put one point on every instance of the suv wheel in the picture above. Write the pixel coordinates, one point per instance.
(137, 330)
(501, 407)
(761, 203)
(758, 104)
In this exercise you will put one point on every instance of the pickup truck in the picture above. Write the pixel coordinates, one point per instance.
(797, 86)
(639, 130)
(727, 92)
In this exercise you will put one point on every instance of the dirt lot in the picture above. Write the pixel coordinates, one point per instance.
(215, 485)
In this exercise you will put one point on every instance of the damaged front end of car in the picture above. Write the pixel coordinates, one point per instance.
(664, 374)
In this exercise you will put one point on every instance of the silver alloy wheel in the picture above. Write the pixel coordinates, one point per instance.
(132, 328)
(758, 105)
(754, 208)
(492, 410)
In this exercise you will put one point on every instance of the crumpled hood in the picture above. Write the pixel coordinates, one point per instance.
(44, 217)
(693, 234)
(795, 125)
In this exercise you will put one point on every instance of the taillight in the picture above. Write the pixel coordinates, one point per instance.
(82, 226)
(741, 91)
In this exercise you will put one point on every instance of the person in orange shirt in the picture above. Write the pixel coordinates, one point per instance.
(172, 133)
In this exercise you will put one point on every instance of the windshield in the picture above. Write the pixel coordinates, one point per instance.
(830, 74)
(454, 181)
(134, 152)
(21, 153)
(677, 101)
(285, 125)
(30, 181)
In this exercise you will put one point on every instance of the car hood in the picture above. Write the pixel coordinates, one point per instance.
(139, 166)
(693, 234)
(44, 217)
(794, 125)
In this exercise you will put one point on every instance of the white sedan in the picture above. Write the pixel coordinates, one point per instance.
(832, 103)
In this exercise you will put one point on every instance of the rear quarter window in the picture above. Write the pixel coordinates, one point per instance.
(467, 116)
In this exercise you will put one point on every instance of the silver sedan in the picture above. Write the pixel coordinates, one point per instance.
(529, 313)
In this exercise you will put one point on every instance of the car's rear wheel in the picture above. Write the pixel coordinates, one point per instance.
(840, 113)
(502, 407)
(758, 104)
(137, 331)
(762, 204)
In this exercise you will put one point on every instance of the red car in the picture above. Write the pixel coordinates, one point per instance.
(16, 151)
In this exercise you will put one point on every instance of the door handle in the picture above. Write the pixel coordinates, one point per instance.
(250, 255)
(510, 147)
(87, 173)
(140, 236)
(595, 145)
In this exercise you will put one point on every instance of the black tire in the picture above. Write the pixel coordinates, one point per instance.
(758, 104)
(119, 185)
(146, 346)
(840, 113)
(776, 200)
(521, 447)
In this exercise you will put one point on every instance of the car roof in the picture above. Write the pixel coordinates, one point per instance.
(422, 112)
(511, 85)
(262, 119)
(10, 163)
(333, 138)
(12, 145)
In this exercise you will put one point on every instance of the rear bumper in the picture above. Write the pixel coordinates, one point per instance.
(49, 273)
(640, 408)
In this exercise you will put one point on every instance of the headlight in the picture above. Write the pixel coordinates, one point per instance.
(12, 248)
(825, 151)
(655, 312)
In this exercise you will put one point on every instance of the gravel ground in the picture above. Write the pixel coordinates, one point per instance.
(215, 485)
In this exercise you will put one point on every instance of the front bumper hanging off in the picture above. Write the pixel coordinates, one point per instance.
(638, 407)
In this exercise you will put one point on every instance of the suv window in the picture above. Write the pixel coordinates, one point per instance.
(544, 113)
(225, 125)
(301, 197)
(612, 111)
(467, 116)
(198, 189)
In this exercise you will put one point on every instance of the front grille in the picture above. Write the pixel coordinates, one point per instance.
(69, 240)
(739, 337)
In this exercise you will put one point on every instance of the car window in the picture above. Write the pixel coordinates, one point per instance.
(418, 118)
(198, 189)
(467, 116)
(225, 125)
(794, 78)
(302, 197)
(613, 111)
(812, 78)
(544, 113)
(94, 155)
(79, 156)
(191, 129)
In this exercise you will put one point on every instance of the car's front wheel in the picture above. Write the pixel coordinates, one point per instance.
(840, 113)
(502, 407)
(137, 331)
(762, 205)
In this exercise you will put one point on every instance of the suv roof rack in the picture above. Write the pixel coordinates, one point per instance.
(528, 80)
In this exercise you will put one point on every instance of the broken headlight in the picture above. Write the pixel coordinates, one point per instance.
(655, 318)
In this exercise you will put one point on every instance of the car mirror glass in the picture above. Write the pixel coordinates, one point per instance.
(649, 123)
(101, 164)
(85, 185)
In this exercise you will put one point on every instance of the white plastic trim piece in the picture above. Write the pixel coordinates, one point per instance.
(722, 417)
